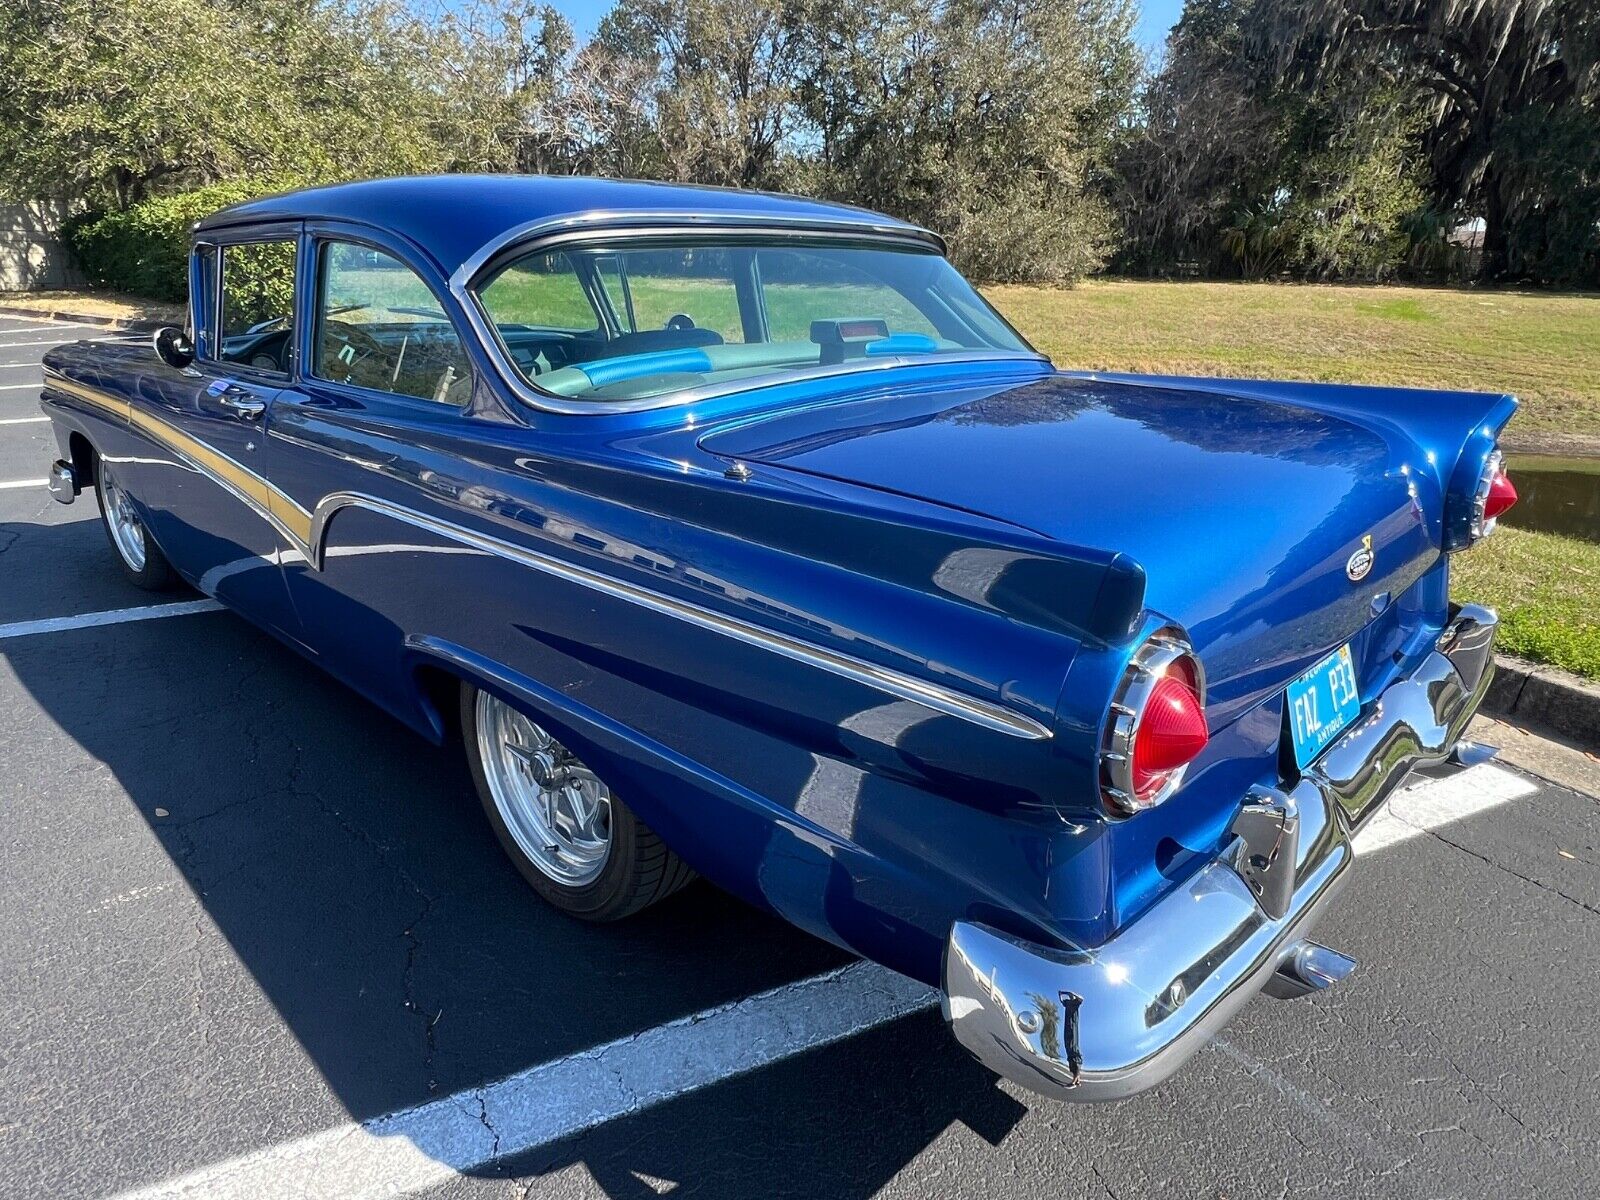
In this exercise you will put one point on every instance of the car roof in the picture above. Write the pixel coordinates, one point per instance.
(454, 217)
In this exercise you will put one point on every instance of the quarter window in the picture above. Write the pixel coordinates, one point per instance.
(257, 304)
(379, 326)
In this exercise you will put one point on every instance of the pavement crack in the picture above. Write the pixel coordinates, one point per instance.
(483, 1116)
(384, 854)
(1101, 1180)
(1543, 887)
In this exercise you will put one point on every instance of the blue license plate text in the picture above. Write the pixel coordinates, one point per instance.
(1322, 702)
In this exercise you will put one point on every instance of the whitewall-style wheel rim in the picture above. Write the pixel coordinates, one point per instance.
(127, 532)
(555, 808)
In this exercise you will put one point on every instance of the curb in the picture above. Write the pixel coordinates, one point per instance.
(136, 324)
(1546, 697)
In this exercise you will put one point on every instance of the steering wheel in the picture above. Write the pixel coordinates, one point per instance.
(354, 346)
(679, 322)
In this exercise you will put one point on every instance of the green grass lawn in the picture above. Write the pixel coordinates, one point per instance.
(1547, 590)
(1545, 348)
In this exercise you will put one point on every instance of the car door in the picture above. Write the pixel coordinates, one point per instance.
(203, 481)
(376, 410)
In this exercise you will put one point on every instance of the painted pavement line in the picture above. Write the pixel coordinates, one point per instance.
(23, 420)
(414, 1149)
(24, 483)
(116, 616)
(17, 387)
(63, 342)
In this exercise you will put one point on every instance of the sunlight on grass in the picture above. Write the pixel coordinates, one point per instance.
(1547, 590)
(1545, 348)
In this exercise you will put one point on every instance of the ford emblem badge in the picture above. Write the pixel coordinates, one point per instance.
(1359, 564)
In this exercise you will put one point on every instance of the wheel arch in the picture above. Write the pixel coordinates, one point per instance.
(718, 827)
(85, 459)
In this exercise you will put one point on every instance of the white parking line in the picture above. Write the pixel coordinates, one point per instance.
(17, 387)
(417, 1148)
(110, 337)
(116, 616)
(24, 483)
(51, 323)
(23, 420)
(1428, 804)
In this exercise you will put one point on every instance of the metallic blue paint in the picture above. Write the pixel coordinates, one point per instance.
(1002, 530)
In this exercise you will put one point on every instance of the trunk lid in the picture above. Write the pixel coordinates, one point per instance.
(1248, 515)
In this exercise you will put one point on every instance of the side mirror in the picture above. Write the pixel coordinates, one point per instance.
(173, 346)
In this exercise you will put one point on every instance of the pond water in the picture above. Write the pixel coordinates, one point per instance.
(1556, 495)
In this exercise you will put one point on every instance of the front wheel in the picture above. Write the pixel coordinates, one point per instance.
(570, 836)
(138, 555)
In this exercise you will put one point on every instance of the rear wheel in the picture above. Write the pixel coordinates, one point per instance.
(140, 558)
(570, 836)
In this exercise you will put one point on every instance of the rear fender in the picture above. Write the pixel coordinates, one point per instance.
(1443, 437)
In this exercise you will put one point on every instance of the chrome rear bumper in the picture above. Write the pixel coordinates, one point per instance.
(1106, 1023)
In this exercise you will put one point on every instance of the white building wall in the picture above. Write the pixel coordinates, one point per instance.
(32, 256)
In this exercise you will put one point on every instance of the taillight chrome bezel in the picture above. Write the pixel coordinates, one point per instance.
(1160, 653)
(1481, 526)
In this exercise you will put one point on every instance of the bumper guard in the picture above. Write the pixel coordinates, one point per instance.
(1106, 1023)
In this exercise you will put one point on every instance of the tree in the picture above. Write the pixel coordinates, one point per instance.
(1236, 169)
(991, 122)
(107, 103)
(724, 82)
(1513, 83)
(499, 74)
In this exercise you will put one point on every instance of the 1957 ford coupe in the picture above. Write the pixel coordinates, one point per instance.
(740, 536)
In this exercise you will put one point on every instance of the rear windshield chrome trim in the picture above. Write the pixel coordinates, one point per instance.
(610, 226)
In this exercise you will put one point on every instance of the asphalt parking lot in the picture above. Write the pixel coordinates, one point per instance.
(258, 941)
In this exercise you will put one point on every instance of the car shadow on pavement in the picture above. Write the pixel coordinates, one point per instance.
(349, 868)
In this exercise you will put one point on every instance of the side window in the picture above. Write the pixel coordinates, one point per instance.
(257, 304)
(540, 292)
(380, 327)
(202, 291)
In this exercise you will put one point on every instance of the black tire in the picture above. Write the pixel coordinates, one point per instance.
(154, 573)
(640, 869)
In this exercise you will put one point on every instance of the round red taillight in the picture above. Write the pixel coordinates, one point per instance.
(1156, 726)
(1171, 734)
(1495, 494)
(1501, 496)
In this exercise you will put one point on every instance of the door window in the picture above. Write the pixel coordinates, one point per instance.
(257, 304)
(380, 326)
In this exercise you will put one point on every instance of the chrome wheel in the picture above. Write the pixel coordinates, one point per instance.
(555, 808)
(127, 532)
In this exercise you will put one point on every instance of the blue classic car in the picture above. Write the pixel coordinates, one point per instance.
(737, 535)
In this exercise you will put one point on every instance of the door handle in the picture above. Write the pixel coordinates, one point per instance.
(242, 404)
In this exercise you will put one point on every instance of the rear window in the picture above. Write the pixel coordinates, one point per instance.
(638, 320)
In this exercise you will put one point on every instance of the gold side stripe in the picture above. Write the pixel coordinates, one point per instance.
(117, 406)
(306, 534)
(274, 505)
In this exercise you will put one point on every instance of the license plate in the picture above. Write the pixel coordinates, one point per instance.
(1321, 703)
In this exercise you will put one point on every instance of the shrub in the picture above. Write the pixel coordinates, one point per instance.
(144, 250)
